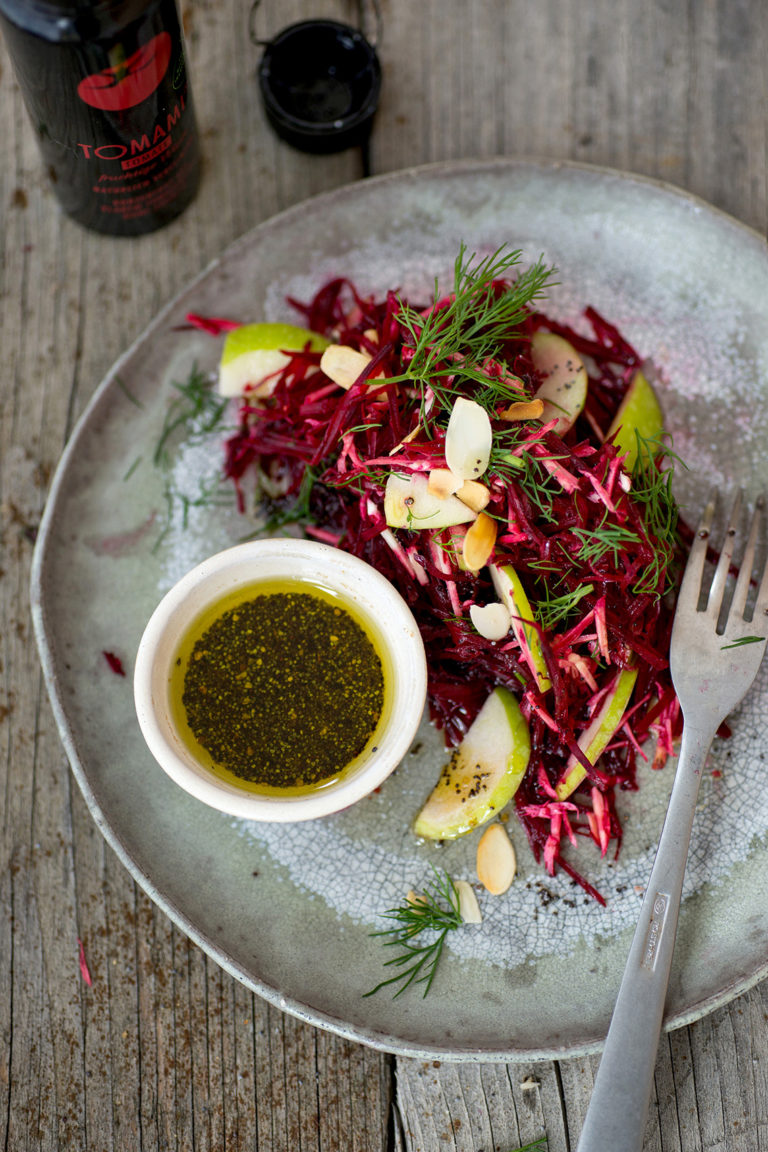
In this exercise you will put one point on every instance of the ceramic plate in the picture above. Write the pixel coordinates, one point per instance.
(290, 910)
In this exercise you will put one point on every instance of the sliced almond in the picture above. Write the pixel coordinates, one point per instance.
(474, 494)
(479, 542)
(443, 482)
(469, 909)
(468, 439)
(496, 860)
(492, 621)
(523, 410)
(415, 898)
(372, 335)
(343, 364)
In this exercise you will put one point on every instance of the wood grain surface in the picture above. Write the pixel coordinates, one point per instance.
(163, 1050)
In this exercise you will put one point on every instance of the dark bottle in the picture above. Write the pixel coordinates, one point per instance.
(105, 85)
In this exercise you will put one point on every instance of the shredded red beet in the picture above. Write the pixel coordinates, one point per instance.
(84, 970)
(571, 520)
(115, 663)
(213, 325)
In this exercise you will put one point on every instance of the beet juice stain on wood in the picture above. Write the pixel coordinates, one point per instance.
(105, 86)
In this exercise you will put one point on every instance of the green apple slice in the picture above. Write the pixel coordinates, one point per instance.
(254, 353)
(510, 591)
(483, 773)
(595, 737)
(639, 413)
(408, 503)
(564, 386)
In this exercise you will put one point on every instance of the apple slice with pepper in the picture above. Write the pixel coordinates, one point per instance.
(483, 774)
(563, 389)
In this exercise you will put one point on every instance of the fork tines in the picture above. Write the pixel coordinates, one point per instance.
(734, 592)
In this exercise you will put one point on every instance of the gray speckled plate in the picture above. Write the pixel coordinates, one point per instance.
(289, 911)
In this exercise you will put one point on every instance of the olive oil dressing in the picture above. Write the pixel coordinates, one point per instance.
(282, 685)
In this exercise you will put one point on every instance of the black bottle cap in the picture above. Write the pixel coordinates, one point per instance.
(320, 82)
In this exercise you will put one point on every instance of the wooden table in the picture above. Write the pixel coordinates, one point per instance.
(165, 1051)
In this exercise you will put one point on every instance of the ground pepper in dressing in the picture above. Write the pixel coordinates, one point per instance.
(284, 689)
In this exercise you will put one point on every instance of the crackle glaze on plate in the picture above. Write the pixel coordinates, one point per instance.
(289, 910)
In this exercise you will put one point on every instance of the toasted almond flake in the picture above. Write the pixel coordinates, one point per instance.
(469, 909)
(492, 621)
(454, 550)
(523, 410)
(406, 440)
(468, 439)
(443, 482)
(474, 494)
(479, 542)
(343, 365)
(372, 335)
(416, 898)
(496, 860)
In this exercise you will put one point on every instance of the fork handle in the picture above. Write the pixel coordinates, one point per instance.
(617, 1114)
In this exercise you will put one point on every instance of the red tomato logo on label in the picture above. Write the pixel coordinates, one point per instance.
(130, 81)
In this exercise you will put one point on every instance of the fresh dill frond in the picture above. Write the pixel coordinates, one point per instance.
(127, 392)
(436, 912)
(539, 1145)
(652, 488)
(458, 337)
(605, 540)
(529, 474)
(211, 493)
(133, 468)
(196, 411)
(553, 610)
(742, 641)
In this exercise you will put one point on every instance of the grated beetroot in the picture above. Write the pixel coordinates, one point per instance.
(333, 450)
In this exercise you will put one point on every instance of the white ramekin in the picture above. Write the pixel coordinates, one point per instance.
(371, 595)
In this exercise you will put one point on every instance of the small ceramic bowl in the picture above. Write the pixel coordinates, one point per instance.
(309, 565)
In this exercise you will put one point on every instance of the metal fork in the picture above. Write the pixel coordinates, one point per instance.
(716, 650)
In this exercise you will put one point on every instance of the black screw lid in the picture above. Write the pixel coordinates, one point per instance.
(320, 82)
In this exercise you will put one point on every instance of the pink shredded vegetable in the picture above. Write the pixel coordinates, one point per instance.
(332, 451)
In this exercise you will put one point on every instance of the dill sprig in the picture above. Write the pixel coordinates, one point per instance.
(436, 911)
(652, 488)
(605, 540)
(742, 641)
(552, 610)
(529, 474)
(480, 316)
(197, 410)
